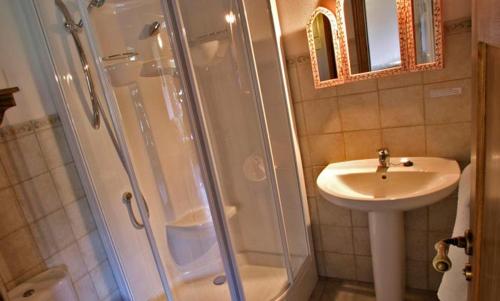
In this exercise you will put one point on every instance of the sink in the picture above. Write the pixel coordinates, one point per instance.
(386, 193)
(360, 185)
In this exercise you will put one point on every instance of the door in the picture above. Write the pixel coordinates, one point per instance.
(485, 210)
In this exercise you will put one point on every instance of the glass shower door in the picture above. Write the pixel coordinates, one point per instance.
(230, 102)
(199, 152)
(149, 106)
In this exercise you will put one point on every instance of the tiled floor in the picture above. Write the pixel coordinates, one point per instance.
(329, 289)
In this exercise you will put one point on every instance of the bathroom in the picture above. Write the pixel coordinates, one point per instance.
(249, 150)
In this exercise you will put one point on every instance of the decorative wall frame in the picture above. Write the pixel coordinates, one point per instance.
(406, 40)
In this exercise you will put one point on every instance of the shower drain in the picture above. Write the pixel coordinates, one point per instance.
(220, 280)
(28, 293)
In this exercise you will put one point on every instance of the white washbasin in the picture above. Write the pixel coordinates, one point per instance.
(386, 194)
(360, 185)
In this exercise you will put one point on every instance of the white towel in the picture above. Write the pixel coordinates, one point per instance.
(454, 286)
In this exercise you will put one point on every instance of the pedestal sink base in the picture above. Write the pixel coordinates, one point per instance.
(387, 241)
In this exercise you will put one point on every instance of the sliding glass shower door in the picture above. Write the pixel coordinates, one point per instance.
(208, 149)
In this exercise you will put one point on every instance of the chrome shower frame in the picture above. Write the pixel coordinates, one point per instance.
(174, 25)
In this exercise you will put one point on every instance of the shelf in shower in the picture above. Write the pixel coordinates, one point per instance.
(199, 218)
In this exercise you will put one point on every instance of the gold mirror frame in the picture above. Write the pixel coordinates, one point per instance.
(406, 37)
(318, 83)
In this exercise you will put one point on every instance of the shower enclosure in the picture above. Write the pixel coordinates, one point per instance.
(195, 169)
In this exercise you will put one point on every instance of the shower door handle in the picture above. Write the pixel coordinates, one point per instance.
(127, 200)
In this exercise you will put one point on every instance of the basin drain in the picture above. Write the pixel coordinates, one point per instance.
(220, 280)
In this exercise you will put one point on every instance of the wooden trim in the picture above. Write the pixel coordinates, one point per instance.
(6, 100)
(478, 206)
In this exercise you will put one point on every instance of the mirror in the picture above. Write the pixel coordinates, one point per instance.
(423, 23)
(323, 31)
(372, 31)
(365, 39)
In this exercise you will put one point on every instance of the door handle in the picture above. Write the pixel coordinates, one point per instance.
(441, 261)
(127, 200)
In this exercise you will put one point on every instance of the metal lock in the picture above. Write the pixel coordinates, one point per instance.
(467, 271)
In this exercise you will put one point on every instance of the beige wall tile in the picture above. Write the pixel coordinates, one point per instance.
(316, 233)
(416, 274)
(18, 254)
(72, 259)
(405, 141)
(361, 237)
(359, 218)
(448, 109)
(103, 279)
(362, 144)
(313, 209)
(320, 263)
(363, 86)
(337, 239)
(300, 122)
(80, 216)
(364, 270)
(330, 214)
(402, 106)
(340, 266)
(310, 182)
(54, 147)
(85, 289)
(326, 149)
(414, 241)
(22, 158)
(308, 91)
(52, 233)
(38, 197)
(403, 80)
(434, 278)
(68, 183)
(457, 59)
(293, 80)
(4, 180)
(115, 296)
(442, 214)
(449, 141)
(92, 250)
(305, 153)
(11, 215)
(417, 219)
(359, 112)
(322, 116)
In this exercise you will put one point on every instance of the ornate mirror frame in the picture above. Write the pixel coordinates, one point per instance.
(406, 38)
(318, 83)
(438, 25)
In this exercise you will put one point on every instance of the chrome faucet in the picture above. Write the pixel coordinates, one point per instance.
(384, 158)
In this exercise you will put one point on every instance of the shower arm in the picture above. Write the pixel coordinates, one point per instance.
(97, 109)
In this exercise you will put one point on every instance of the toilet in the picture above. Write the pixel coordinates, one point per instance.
(51, 285)
(453, 285)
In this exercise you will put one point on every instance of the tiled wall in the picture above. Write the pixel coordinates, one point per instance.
(352, 121)
(45, 219)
